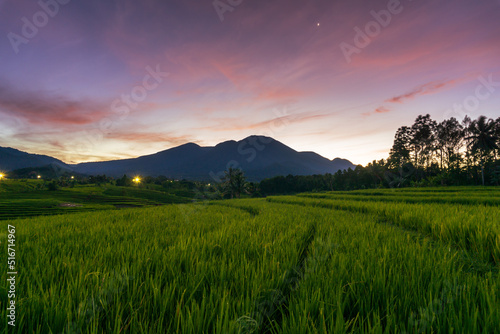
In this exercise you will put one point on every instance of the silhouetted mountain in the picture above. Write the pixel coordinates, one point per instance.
(11, 159)
(258, 156)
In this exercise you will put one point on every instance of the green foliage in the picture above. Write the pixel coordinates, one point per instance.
(424, 155)
(124, 181)
(52, 186)
(372, 261)
(26, 198)
(234, 182)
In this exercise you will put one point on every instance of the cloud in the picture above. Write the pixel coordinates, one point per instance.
(426, 89)
(231, 74)
(45, 108)
(379, 110)
(150, 137)
(279, 122)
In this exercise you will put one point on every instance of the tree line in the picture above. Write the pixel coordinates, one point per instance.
(427, 153)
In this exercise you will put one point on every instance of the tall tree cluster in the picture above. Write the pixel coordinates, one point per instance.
(460, 149)
(427, 153)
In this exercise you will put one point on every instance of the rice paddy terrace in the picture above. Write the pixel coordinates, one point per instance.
(375, 261)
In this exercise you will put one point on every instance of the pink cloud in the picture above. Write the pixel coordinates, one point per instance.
(150, 137)
(379, 110)
(425, 89)
(44, 108)
(238, 124)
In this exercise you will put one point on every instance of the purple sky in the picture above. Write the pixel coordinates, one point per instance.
(79, 87)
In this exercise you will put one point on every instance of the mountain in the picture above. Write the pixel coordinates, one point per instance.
(11, 159)
(258, 156)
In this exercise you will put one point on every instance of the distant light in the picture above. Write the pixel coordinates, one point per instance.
(318, 24)
(72, 177)
(39, 177)
(1, 176)
(137, 179)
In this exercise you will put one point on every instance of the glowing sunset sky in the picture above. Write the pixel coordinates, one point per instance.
(75, 88)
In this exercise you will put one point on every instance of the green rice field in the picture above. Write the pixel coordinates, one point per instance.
(414, 260)
(27, 198)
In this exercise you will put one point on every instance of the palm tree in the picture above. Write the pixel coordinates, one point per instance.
(482, 139)
(234, 182)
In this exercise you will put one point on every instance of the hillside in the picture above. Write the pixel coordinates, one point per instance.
(11, 159)
(258, 156)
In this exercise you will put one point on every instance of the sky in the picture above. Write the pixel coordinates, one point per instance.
(101, 80)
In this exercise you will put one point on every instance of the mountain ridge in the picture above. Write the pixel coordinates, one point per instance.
(258, 156)
(11, 158)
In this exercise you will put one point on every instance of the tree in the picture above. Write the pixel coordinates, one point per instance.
(497, 134)
(400, 151)
(469, 159)
(423, 140)
(449, 138)
(52, 186)
(234, 182)
(252, 189)
(483, 139)
(124, 181)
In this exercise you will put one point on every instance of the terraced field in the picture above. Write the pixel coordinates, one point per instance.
(355, 262)
(29, 199)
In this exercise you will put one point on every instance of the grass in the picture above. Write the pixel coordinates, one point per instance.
(473, 228)
(29, 198)
(356, 262)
